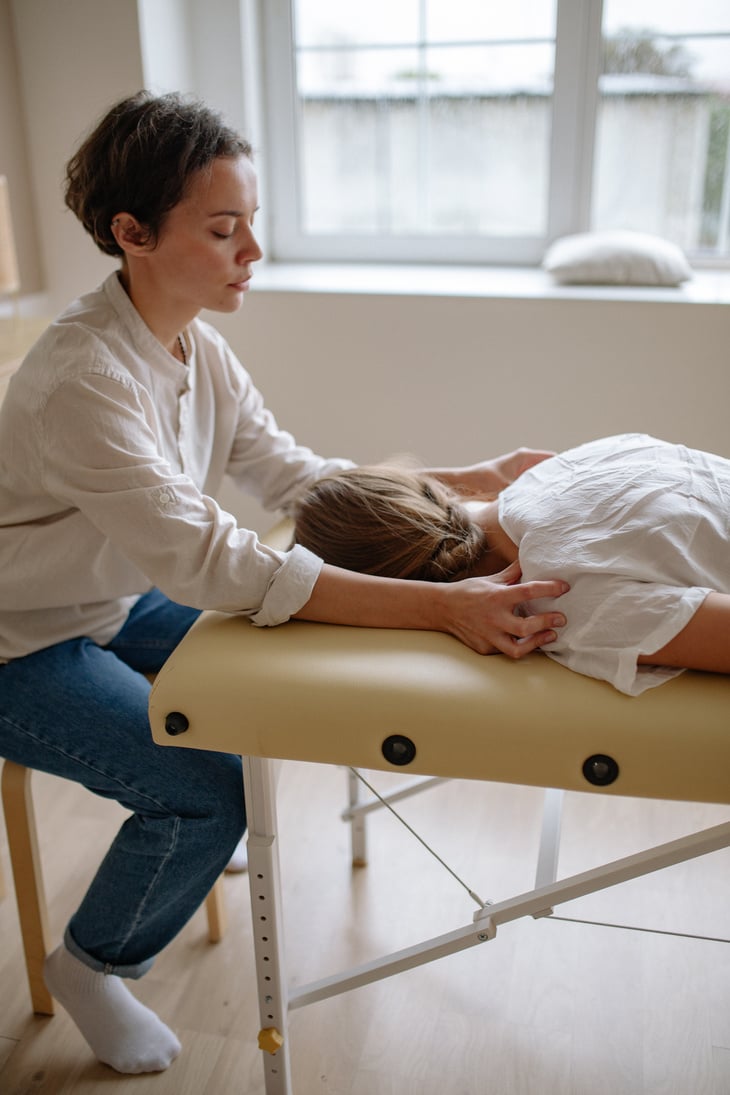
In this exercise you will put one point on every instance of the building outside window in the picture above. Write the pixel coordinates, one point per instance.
(472, 131)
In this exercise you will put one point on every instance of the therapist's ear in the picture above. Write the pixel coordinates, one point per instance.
(131, 236)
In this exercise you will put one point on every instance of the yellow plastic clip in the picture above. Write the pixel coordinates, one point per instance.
(270, 1040)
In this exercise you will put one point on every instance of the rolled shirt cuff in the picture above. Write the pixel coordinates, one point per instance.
(290, 588)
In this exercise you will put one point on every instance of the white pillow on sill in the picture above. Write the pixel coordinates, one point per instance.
(616, 257)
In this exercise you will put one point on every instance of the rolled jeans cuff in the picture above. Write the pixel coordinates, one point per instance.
(133, 972)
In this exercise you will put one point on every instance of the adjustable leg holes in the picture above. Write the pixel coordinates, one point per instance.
(265, 942)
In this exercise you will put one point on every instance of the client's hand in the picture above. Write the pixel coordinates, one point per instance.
(481, 613)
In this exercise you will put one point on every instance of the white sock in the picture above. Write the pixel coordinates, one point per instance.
(121, 1032)
(239, 860)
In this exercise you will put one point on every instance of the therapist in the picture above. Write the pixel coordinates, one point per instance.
(115, 435)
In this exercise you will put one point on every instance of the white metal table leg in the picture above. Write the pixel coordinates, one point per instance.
(549, 852)
(259, 778)
(358, 808)
(358, 832)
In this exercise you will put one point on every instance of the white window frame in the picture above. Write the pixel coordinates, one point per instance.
(574, 112)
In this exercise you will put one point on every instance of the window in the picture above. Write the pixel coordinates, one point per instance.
(464, 131)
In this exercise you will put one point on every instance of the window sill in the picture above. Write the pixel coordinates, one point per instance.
(709, 286)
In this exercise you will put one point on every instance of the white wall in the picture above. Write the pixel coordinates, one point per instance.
(448, 378)
(452, 380)
(75, 59)
(14, 161)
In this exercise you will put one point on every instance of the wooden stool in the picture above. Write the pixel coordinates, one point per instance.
(29, 891)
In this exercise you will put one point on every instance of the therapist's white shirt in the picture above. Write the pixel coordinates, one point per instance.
(111, 453)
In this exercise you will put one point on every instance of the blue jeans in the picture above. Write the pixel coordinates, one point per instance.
(79, 711)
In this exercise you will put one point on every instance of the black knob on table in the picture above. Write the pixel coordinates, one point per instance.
(600, 770)
(176, 723)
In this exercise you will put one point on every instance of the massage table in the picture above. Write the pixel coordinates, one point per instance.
(421, 703)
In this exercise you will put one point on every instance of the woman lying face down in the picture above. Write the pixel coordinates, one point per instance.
(637, 526)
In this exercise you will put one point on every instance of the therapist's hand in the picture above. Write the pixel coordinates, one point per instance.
(481, 612)
(495, 475)
(489, 477)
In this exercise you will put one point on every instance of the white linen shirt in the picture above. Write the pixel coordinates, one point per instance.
(111, 453)
(640, 530)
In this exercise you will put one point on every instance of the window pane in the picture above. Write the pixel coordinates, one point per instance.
(417, 137)
(450, 21)
(330, 22)
(663, 154)
(671, 16)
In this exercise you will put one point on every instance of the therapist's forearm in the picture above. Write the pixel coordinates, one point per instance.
(362, 600)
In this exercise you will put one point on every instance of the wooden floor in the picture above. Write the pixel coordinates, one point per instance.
(549, 1007)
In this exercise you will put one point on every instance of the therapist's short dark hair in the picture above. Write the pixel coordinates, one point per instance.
(140, 159)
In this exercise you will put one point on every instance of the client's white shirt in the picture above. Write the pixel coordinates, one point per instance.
(640, 530)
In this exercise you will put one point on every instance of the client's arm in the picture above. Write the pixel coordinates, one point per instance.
(477, 611)
(705, 641)
(490, 476)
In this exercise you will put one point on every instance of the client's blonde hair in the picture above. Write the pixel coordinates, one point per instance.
(389, 521)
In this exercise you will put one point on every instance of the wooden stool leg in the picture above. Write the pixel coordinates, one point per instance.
(215, 908)
(26, 864)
